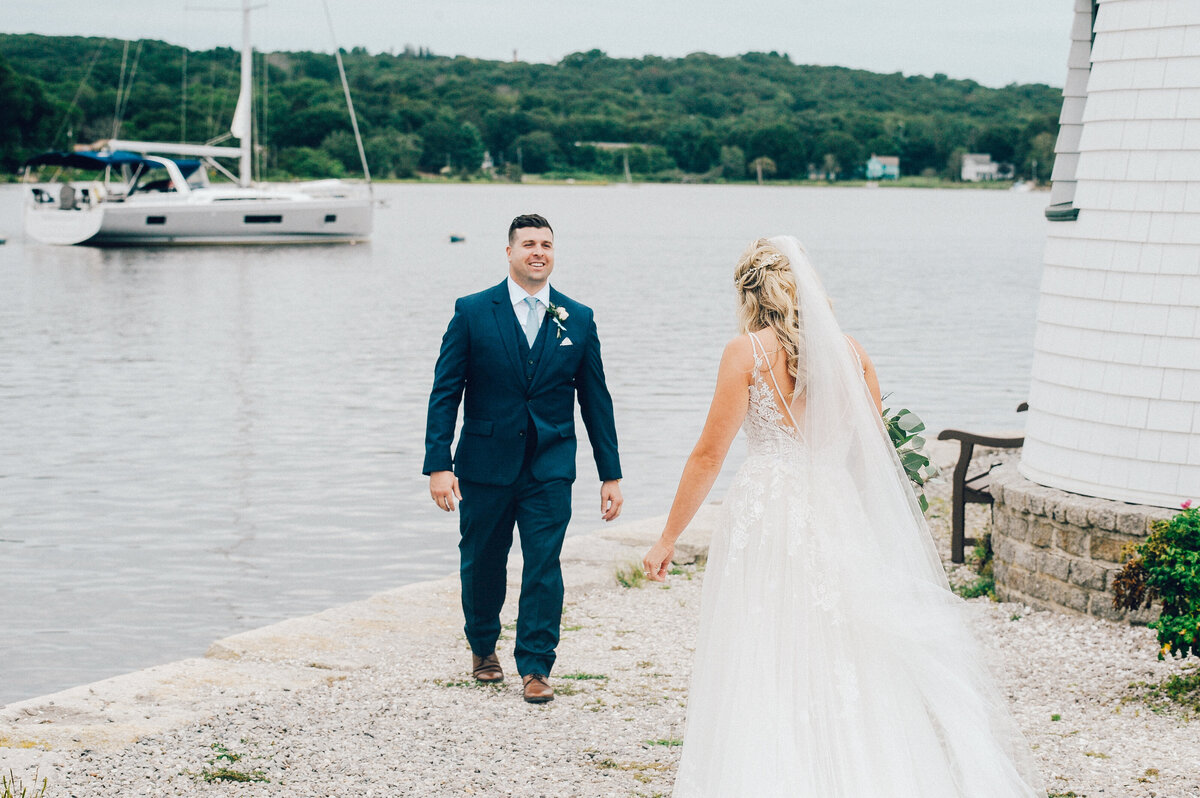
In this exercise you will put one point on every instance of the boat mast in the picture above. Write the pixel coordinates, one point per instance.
(241, 127)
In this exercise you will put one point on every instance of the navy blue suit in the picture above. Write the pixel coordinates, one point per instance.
(515, 459)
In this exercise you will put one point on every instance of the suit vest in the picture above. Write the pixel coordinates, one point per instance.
(530, 357)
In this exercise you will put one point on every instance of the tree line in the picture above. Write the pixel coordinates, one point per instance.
(677, 118)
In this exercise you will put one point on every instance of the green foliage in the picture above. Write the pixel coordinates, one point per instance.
(630, 575)
(981, 562)
(12, 787)
(686, 114)
(1179, 690)
(220, 768)
(733, 163)
(1166, 568)
(904, 428)
(538, 151)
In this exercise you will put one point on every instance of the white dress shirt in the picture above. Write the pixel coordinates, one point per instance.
(517, 294)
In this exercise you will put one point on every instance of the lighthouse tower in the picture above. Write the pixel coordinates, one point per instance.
(1114, 404)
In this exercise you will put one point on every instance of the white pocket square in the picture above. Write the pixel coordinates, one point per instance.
(566, 342)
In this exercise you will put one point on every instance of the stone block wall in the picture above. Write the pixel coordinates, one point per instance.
(1060, 551)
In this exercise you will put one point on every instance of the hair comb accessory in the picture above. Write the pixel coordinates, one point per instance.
(769, 260)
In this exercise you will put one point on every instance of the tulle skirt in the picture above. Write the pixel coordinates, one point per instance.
(826, 668)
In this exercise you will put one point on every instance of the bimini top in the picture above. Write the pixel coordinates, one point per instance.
(99, 160)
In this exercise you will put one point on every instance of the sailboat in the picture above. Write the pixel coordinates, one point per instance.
(159, 193)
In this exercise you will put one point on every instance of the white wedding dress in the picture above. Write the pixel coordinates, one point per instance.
(832, 660)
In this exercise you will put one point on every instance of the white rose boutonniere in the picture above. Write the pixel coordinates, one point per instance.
(558, 316)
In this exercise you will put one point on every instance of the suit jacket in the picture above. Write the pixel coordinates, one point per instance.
(480, 365)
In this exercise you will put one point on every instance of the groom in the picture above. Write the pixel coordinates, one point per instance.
(516, 356)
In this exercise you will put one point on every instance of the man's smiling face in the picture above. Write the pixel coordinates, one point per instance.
(531, 257)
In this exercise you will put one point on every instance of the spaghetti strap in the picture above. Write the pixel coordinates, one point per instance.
(857, 357)
(786, 407)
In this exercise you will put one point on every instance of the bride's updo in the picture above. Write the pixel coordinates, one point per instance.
(767, 297)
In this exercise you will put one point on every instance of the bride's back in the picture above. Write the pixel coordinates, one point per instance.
(770, 372)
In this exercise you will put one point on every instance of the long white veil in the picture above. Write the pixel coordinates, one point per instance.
(828, 590)
(844, 433)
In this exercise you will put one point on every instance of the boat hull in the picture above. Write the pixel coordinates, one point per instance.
(205, 220)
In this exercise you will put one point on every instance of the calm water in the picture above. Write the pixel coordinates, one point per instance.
(196, 442)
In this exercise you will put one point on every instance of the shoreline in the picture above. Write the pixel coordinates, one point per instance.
(375, 698)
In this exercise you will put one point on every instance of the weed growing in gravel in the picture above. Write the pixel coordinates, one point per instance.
(981, 563)
(1177, 691)
(573, 628)
(983, 586)
(219, 767)
(581, 677)
(1056, 717)
(12, 787)
(630, 575)
(670, 742)
(638, 768)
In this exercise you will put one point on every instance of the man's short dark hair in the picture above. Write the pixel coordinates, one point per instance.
(528, 220)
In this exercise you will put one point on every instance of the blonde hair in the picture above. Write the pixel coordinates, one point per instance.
(767, 298)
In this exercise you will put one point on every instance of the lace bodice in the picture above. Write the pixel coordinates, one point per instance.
(768, 429)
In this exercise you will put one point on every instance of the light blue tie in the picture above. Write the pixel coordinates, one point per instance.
(532, 321)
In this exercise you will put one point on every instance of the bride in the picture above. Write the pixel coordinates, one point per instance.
(832, 659)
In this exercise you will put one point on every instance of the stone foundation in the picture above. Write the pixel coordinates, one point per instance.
(1060, 551)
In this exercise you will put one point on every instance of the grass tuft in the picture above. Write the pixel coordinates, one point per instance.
(1177, 691)
(11, 786)
(630, 575)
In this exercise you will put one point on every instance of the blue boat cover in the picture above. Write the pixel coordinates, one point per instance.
(97, 160)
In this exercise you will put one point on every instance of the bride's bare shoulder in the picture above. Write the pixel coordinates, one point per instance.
(739, 353)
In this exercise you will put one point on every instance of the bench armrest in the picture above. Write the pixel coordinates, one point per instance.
(1006, 442)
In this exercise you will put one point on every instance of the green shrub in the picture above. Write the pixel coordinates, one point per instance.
(1166, 568)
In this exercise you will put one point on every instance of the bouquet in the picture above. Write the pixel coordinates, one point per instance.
(904, 428)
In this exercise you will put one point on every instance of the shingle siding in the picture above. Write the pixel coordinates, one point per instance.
(1115, 392)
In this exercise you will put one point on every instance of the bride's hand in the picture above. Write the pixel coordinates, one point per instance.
(657, 561)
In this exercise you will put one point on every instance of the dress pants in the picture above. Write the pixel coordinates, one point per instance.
(540, 511)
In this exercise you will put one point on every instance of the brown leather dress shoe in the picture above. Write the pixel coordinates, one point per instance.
(537, 689)
(487, 669)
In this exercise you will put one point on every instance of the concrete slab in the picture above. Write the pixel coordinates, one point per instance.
(293, 654)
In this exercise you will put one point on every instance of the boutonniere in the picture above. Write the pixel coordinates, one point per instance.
(558, 316)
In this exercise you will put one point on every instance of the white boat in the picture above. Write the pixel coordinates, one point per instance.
(133, 203)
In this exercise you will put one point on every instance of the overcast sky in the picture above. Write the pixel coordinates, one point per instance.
(995, 43)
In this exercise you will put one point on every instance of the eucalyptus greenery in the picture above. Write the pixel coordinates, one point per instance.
(1166, 567)
(904, 427)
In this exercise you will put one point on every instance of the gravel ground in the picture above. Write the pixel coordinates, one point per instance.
(422, 727)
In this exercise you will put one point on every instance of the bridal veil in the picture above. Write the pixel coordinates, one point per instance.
(832, 660)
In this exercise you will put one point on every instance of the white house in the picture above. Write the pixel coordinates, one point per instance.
(978, 166)
(1114, 401)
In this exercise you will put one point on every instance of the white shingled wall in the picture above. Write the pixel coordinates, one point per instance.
(1115, 395)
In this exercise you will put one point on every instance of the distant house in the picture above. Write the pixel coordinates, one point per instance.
(883, 167)
(977, 166)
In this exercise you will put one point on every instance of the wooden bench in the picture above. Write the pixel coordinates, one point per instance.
(972, 489)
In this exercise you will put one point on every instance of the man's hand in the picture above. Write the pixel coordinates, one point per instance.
(443, 487)
(610, 499)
